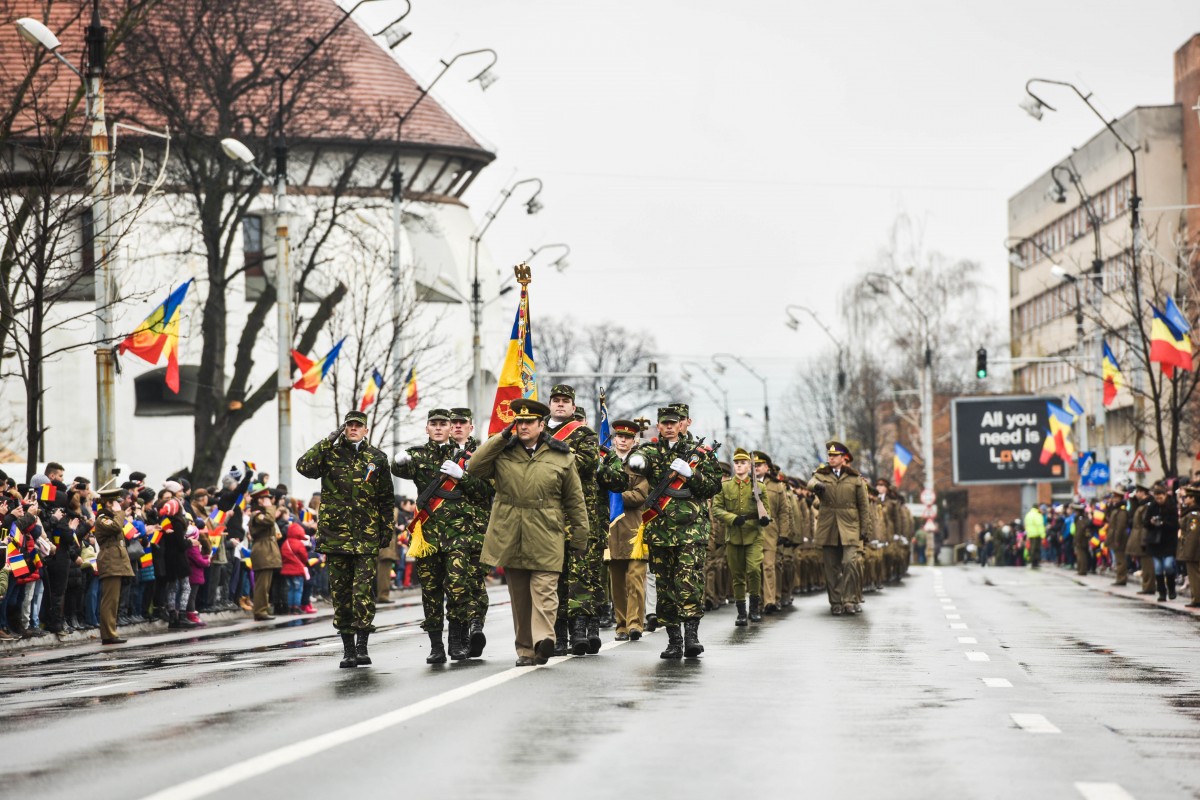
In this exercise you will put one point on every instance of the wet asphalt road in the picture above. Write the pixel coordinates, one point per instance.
(960, 683)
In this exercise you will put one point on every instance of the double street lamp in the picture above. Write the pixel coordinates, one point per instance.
(766, 395)
(559, 263)
(723, 402)
(794, 324)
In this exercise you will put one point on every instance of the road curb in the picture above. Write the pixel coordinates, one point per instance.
(1144, 599)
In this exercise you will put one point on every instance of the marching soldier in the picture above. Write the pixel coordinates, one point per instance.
(1118, 534)
(627, 569)
(581, 583)
(1189, 542)
(843, 511)
(735, 508)
(355, 521)
(683, 475)
(538, 496)
(478, 504)
(1136, 546)
(447, 555)
(716, 569)
(112, 563)
(780, 519)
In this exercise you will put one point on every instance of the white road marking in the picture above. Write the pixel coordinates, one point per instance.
(945, 599)
(997, 683)
(977, 655)
(958, 626)
(1034, 723)
(949, 608)
(101, 688)
(1102, 791)
(967, 640)
(954, 616)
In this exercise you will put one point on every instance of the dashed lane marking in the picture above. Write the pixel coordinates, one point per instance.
(997, 683)
(1102, 791)
(958, 626)
(977, 655)
(1034, 723)
(954, 616)
(967, 640)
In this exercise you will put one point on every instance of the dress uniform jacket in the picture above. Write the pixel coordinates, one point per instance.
(264, 543)
(1189, 544)
(735, 499)
(113, 559)
(622, 532)
(844, 511)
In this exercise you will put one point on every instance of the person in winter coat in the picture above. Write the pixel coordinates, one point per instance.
(177, 571)
(264, 550)
(294, 555)
(198, 562)
(112, 564)
(1161, 538)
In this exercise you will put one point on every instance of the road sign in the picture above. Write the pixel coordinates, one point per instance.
(1140, 465)
(1120, 457)
(1098, 475)
(928, 497)
(1086, 460)
(928, 512)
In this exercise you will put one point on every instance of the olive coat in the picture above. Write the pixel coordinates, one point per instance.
(623, 531)
(736, 499)
(264, 541)
(844, 511)
(1189, 532)
(113, 559)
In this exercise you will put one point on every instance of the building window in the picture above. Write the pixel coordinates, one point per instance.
(252, 256)
(154, 399)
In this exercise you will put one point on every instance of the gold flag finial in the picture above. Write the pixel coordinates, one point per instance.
(524, 274)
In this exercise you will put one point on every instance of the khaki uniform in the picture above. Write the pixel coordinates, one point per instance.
(1189, 552)
(113, 567)
(389, 554)
(265, 559)
(628, 574)
(743, 543)
(1135, 547)
(774, 497)
(717, 578)
(844, 512)
(1118, 540)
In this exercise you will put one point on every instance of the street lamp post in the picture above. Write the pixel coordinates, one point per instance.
(559, 263)
(1080, 349)
(766, 395)
(99, 189)
(723, 402)
(532, 206)
(794, 324)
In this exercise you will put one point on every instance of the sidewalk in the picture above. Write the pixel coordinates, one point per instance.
(1103, 583)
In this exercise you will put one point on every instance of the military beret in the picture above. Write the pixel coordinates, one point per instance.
(1192, 491)
(668, 414)
(437, 414)
(838, 449)
(626, 427)
(682, 409)
(461, 413)
(524, 408)
(355, 416)
(562, 390)
(740, 455)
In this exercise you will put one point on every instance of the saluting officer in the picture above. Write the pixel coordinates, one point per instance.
(842, 516)
(112, 563)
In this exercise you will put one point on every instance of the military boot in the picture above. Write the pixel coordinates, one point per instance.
(349, 657)
(674, 643)
(1160, 581)
(741, 620)
(608, 619)
(457, 644)
(593, 635)
(437, 651)
(475, 638)
(755, 608)
(651, 623)
(579, 637)
(360, 649)
(1171, 587)
(560, 637)
(691, 638)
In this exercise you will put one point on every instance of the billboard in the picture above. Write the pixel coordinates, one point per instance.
(998, 439)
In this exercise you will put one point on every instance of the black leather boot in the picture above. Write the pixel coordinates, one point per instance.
(437, 651)
(560, 637)
(476, 641)
(457, 644)
(173, 624)
(593, 634)
(691, 638)
(349, 657)
(1171, 587)
(1160, 581)
(607, 618)
(755, 608)
(741, 620)
(651, 623)
(360, 649)
(579, 638)
(674, 643)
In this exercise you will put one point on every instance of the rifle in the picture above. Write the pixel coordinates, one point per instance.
(427, 501)
(756, 489)
(658, 498)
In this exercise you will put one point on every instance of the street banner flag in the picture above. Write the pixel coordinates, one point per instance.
(411, 396)
(1111, 372)
(313, 372)
(1060, 429)
(1076, 407)
(518, 376)
(372, 390)
(1169, 349)
(901, 458)
(616, 505)
(1175, 319)
(47, 493)
(158, 334)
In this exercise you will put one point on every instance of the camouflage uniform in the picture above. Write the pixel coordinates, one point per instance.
(452, 578)
(355, 521)
(582, 581)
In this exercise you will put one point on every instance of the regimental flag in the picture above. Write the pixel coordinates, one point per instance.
(372, 390)
(518, 377)
(411, 397)
(313, 372)
(47, 493)
(159, 334)
(130, 531)
(1076, 408)
(901, 458)
(1111, 372)
(616, 505)
(1170, 344)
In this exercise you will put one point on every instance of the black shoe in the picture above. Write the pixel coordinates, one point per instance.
(755, 608)
(741, 620)
(543, 649)
(708, 604)
(691, 638)
(349, 657)
(360, 649)
(560, 637)
(457, 644)
(651, 623)
(525, 661)
(593, 635)
(621, 637)
(579, 637)
(771, 608)
(674, 643)
(1171, 587)
(476, 641)
(437, 651)
(607, 618)
(635, 636)
(1160, 581)
(173, 622)
(116, 640)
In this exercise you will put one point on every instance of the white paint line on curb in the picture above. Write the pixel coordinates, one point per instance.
(1034, 723)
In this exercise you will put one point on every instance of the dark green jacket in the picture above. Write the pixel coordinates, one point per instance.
(736, 499)
(685, 519)
(462, 519)
(356, 500)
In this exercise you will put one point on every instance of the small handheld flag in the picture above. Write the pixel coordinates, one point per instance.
(48, 493)
(372, 390)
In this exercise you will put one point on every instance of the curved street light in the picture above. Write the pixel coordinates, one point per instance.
(766, 395)
(794, 323)
(559, 263)
(700, 369)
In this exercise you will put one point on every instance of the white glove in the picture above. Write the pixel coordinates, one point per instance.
(452, 469)
(637, 461)
(402, 457)
(682, 467)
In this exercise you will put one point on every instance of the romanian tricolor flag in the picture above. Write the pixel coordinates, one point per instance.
(372, 390)
(147, 560)
(159, 334)
(1076, 408)
(1060, 431)
(901, 458)
(313, 372)
(157, 535)
(17, 565)
(130, 531)
(519, 373)
(47, 493)
(410, 389)
(1111, 372)
(1170, 344)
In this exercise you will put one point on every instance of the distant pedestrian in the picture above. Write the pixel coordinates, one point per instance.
(1162, 539)
(1035, 532)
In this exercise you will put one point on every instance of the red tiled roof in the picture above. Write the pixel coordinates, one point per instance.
(371, 86)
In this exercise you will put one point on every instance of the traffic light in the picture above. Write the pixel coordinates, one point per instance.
(981, 363)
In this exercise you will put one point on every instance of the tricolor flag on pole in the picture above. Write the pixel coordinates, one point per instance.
(901, 458)
(313, 372)
(1076, 408)
(1170, 344)
(411, 396)
(372, 390)
(518, 377)
(616, 505)
(158, 334)
(1111, 372)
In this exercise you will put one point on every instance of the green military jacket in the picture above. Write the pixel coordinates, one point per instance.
(736, 498)
(356, 496)
(264, 539)
(113, 558)
(584, 444)
(1137, 530)
(845, 514)
(685, 519)
(462, 519)
(1118, 528)
(775, 497)
(1189, 537)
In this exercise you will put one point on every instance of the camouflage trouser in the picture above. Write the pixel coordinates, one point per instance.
(452, 577)
(352, 587)
(680, 579)
(583, 580)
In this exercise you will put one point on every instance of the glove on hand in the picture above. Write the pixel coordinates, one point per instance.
(739, 520)
(764, 521)
(452, 469)
(682, 467)
(819, 489)
(637, 461)
(402, 457)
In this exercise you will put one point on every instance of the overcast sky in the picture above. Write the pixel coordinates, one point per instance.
(727, 159)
